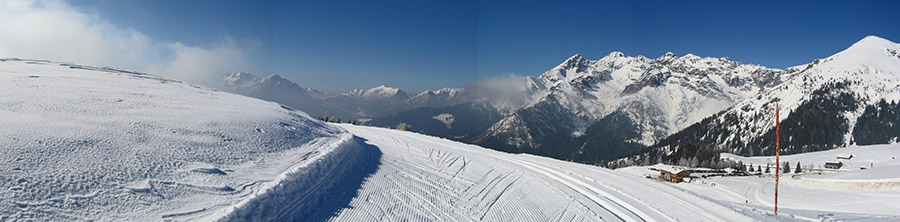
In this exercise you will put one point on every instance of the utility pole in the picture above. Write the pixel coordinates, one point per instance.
(777, 160)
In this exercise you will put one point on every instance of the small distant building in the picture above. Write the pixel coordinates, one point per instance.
(673, 175)
(845, 157)
(833, 165)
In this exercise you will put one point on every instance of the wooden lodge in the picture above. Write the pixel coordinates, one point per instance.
(673, 175)
(833, 165)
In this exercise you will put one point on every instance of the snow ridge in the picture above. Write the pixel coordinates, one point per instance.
(315, 190)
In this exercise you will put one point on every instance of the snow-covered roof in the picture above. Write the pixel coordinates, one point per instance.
(668, 168)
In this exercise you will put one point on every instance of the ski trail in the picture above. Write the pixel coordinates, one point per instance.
(442, 180)
(658, 192)
(608, 204)
(611, 189)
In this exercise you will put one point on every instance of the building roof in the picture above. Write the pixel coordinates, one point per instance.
(668, 168)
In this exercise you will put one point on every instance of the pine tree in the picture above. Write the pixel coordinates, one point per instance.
(787, 167)
(759, 169)
(751, 167)
(798, 168)
(767, 169)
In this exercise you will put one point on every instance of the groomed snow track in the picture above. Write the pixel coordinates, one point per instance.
(424, 178)
(313, 191)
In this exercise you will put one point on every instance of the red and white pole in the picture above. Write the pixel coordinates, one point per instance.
(777, 160)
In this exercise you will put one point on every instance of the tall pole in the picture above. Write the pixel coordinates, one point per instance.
(777, 160)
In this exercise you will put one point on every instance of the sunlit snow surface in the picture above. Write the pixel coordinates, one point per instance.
(86, 143)
(423, 178)
(816, 194)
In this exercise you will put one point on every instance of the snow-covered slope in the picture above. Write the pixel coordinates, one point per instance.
(424, 178)
(868, 164)
(870, 67)
(849, 193)
(89, 143)
(656, 97)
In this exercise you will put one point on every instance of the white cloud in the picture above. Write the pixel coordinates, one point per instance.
(54, 30)
(508, 91)
(200, 65)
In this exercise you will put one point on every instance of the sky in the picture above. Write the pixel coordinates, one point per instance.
(418, 45)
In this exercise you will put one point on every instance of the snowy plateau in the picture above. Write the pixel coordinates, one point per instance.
(82, 143)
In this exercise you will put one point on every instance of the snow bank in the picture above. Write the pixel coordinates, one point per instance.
(93, 143)
(315, 191)
(837, 184)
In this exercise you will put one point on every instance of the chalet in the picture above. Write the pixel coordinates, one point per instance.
(833, 165)
(673, 175)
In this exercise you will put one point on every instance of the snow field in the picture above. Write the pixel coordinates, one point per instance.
(823, 194)
(87, 143)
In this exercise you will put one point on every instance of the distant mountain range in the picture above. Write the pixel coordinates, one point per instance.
(663, 109)
(356, 104)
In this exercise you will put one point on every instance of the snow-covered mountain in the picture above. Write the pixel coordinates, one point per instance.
(820, 104)
(355, 104)
(276, 89)
(436, 98)
(650, 98)
(380, 92)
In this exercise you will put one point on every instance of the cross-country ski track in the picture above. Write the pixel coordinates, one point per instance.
(423, 178)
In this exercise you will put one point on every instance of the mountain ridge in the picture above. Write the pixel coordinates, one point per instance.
(658, 96)
(820, 104)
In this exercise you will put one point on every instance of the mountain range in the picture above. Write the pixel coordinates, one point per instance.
(355, 104)
(644, 109)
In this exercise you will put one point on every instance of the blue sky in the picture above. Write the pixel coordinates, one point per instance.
(418, 45)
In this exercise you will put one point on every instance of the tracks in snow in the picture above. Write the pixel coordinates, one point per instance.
(424, 178)
(618, 207)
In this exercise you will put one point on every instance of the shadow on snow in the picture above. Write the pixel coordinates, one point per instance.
(320, 191)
